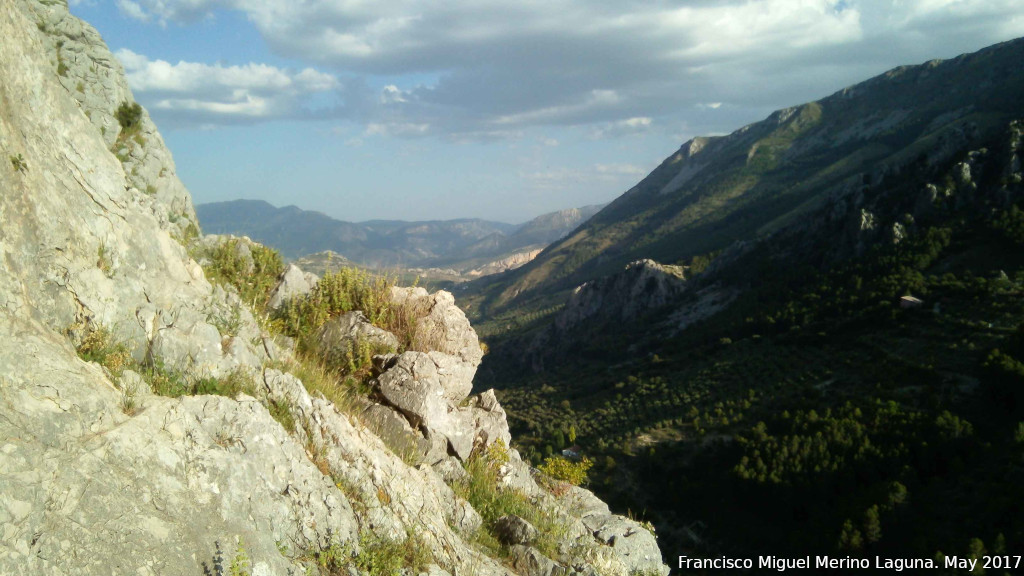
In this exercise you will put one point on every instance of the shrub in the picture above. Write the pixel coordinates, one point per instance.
(228, 265)
(492, 501)
(338, 292)
(238, 566)
(19, 164)
(129, 116)
(349, 289)
(100, 346)
(565, 470)
(378, 556)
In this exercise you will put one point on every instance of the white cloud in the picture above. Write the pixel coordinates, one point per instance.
(499, 66)
(620, 169)
(203, 92)
(133, 10)
(566, 178)
(636, 125)
(396, 129)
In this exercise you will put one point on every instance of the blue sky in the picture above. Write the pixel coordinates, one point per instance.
(414, 110)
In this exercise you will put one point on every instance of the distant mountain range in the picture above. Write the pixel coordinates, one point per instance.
(462, 245)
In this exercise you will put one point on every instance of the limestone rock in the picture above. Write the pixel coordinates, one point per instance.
(634, 546)
(641, 287)
(94, 79)
(529, 561)
(444, 329)
(341, 337)
(513, 530)
(183, 473)
(412, 386)
(292, 284)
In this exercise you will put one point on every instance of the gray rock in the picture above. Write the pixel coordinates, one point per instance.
(474, 425)
(292, 284)
(412, 445)
(341, 338)
(512, 529)
(634, 546)
(412, 386)
(444, 329)
(529, 561)
(465, 518)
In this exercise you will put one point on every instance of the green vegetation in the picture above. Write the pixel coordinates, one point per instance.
(253, 276)
(814, 414)
(19, 164)
(565, 470)
(338, 292)
(493, 500)
(377, 556)
(101, 346)
(129, 116)
(62, 67)
(238, 565)
(103, 259)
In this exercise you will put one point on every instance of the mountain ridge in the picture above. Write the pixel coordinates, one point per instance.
(462, 243)
(715, 190)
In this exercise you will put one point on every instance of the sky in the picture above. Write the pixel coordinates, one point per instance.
(502, 110)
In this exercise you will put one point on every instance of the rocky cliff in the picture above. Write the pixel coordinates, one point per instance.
(151, 423)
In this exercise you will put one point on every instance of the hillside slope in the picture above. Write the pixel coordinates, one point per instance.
(715, 191)
(839, 370)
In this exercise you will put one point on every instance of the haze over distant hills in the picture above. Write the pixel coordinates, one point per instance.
(462, 244)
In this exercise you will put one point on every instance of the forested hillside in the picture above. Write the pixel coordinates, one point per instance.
(843, 376)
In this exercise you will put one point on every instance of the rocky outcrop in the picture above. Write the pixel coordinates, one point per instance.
(100, 475)
(641, 287)
(341, 338)
(95, 80)
(503, 264)
(293, 284)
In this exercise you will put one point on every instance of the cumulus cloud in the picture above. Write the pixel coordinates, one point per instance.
(497, 67)
(565, 178)
(636, 125)
(190, 91)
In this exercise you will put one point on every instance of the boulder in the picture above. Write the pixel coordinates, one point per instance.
(412, 386)
(341, 337)
(512, 529)
(292, 284)
(528, 561)
(443, 329)
(393, 428)
(635, 546)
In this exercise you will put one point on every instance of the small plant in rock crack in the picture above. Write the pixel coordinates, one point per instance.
(19, 164)
(238, 565)
(129, 400)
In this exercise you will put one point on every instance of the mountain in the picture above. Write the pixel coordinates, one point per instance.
(469, 247)
(800, 338)
(379, 243)
(716, 191)
(179, 404)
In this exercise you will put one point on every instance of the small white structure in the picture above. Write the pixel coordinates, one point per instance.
(910, 302)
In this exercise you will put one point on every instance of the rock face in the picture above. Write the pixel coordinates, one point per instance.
(341, 337)
(101, 476)
(642, 286)
(294, 283)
